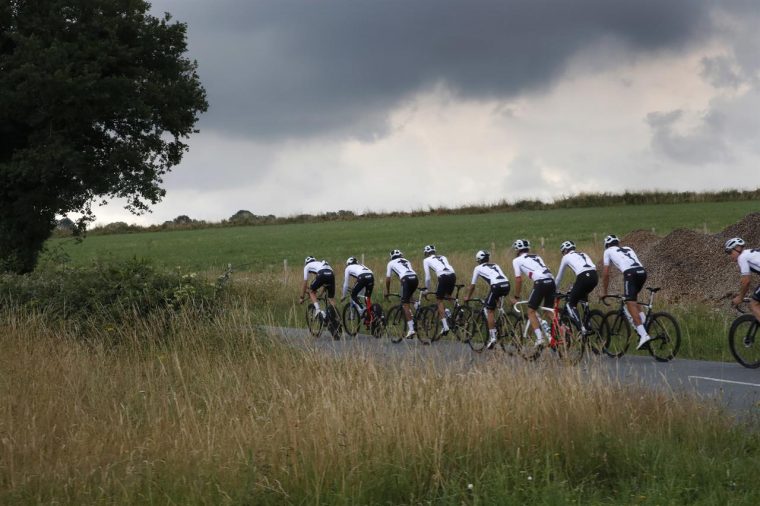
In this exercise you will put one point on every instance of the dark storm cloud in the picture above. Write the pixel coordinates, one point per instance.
(289, 68)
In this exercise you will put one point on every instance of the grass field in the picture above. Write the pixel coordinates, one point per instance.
(264, 248)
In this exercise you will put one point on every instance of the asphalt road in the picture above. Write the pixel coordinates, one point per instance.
(728, 383)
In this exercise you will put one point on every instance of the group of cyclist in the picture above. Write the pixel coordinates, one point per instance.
(525, 265)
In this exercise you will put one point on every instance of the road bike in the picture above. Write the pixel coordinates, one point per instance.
(592, 325)
(744, 339)
(457, 318)
(316, 322)
(424, 325)
(504, 322)
(662, 327)
(564, 339)
(370, 315)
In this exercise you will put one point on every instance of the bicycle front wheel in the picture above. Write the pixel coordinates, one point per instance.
(351, 319)
(314, 320)
(334, 325)
(743, 341)
(595, 338)
(479, 333)
(396, 324)
(666, 336)
(618, 334)
(571, 342)
(460, 323)
(426, 323)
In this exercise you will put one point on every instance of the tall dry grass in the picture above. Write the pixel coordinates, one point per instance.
(217, 412)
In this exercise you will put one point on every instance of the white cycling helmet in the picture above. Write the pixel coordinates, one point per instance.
(308, 259)
(428, 249)
(396, 253)
(482, 256)
(351, 261)
(521, 244)
(733, 243)
(566, 246)
(611, 240)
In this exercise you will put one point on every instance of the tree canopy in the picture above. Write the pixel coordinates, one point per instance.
(96, 99)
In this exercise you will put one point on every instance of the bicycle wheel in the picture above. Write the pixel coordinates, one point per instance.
(426, 323)
(523, 339)
(571, 342)
(666, 336)
(351, 319)
(460, 323)
(396, 324)
(595, 338)
(617, 334)
(505, 329)
(378, 325)
(334, 326)
(743, 341)
(479, 333)
(314, 320)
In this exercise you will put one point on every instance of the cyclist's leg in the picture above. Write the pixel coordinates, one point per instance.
(408, 285)
(534, 302)
(445, 289)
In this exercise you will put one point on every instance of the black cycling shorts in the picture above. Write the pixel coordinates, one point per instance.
(496, 292)
(633, 282)
(408, 285)
(446, 284)
(544, 291)
(325, 278)
(584, 284)
(364, 282)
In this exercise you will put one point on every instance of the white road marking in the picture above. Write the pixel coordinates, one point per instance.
(725, 381)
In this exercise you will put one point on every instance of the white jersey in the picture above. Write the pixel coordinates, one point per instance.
(532, 266)
(314, 267)
(439, 263)
(491, 274)
(354, 271)
(749, 261)
(623, 258)
(401, 267)
(577, 261)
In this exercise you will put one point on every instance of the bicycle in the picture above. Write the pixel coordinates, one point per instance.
(423, 326)
(743, 339)
(592, 323)
(503, 322)
(661, 326)
(457, 318)
(563, 337)
(314, 319)
(370, 315)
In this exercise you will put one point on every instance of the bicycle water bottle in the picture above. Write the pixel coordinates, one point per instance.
(628, 315)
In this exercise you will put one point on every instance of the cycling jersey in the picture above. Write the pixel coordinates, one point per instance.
(315, 267)
(401, 267)
(532, 266)
(439, 263)
(578, 262)
(623, 258)
(749, 261)
(491, 274)
(355, 271)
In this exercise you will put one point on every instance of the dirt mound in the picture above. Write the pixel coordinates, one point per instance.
(641, 241)
(748, 228)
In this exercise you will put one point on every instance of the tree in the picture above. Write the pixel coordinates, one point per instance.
(96, 98)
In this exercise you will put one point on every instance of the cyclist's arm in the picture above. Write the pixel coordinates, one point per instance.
(518, 287)
(345, 283)
(470, 291)
(560, 271)
(426, 266)
(303, 290)
(743, 288)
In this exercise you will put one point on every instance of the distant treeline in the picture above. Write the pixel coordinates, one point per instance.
(583, 200)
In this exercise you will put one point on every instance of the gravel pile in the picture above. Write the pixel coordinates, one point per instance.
(690, 266)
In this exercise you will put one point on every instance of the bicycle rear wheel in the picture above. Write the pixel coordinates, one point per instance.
(396, 324)
(595, 338)
(617, 334)
(334, 326)
(378, 325)
(744, 341)
(351, 319)
(460, 323)
(314, 320)
(666, 336)
(571, 342)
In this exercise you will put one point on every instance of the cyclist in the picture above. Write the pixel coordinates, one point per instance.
(323, 276)
(365, 280)
(499, 287)
(409, 283)
(634, 277)
(749, 262)
(543, 292)
(586, 279)
(447, 278)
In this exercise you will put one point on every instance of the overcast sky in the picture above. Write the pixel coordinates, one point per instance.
(321, 105)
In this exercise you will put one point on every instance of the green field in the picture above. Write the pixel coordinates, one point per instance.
(266, 247)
